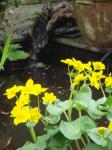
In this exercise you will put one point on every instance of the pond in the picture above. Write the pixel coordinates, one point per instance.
(52, 75)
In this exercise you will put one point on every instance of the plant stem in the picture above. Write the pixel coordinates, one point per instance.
(87, 138)
(77, 145)
(66, 116)
(83, 141)
(79, 111)
(102, 89)
(70, 147)
(70, 107)
(32, 133)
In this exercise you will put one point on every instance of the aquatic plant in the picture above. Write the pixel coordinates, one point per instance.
(11, 52)
(68, 124)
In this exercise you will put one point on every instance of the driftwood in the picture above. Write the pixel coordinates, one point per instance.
(58, 20)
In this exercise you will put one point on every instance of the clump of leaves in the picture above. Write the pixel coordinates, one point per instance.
(11, 52)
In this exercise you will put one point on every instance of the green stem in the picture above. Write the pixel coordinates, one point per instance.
(102, 89)
(87, 138)
(83, 141)
(70, 107)
(79, 111)
(70, 147)
(32, 133)
(77, 145)
(66, 116)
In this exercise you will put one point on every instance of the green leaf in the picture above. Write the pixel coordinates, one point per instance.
(28, 146)
(108, 101)
(109, 89)
(83, 97)
(73, 130)
(17, 55)
(93, 134)
(42, 142)
(51, 130)
(57, 108)
(58, 142)
(52, 119)
(92, 146)
(93, 110)
(15, 47)
(109, 113)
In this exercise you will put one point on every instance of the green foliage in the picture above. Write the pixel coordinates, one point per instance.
(92, 146)
(11, 52)
(73, 130)
(76, 120)
(82, 97)
(57, 108)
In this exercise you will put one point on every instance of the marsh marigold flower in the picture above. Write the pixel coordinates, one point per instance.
(78, 79)
(11, 92)
(98, 66)
(68, 62)
(94, 82)
(49, 98)
(101, 130)
(23, 100)
(108, 81)
(95, 78)
(110, 126)
(20, 115)
(25, 114)
(33, 89)
(35, 115)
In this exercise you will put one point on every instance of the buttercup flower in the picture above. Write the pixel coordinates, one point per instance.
(35, 114)
(110, 126)
(20, 115)
(101, 130)
(68, 62)
(95, 78)
(98, 66)
(87, 66)
(23, 100)
(34, 89)
(94, 82)
(11, 92)
(25, 114)
(108, 81)
(49, 98)
(78, 79)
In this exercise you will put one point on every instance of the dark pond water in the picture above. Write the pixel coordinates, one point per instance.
(52, 75)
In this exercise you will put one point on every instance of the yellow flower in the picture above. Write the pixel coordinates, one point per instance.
(98, 66)
(11, 92)
(23, 100)
(110, 126)
(101, 130)
(95, 78)
(98, 75)
(35, 114)
(20, 115)
(78, 65)
(34, 89)
(108, 81)
(78, 79)
(49, 98)
(68, 62)
(94, 82)
(88, 67)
